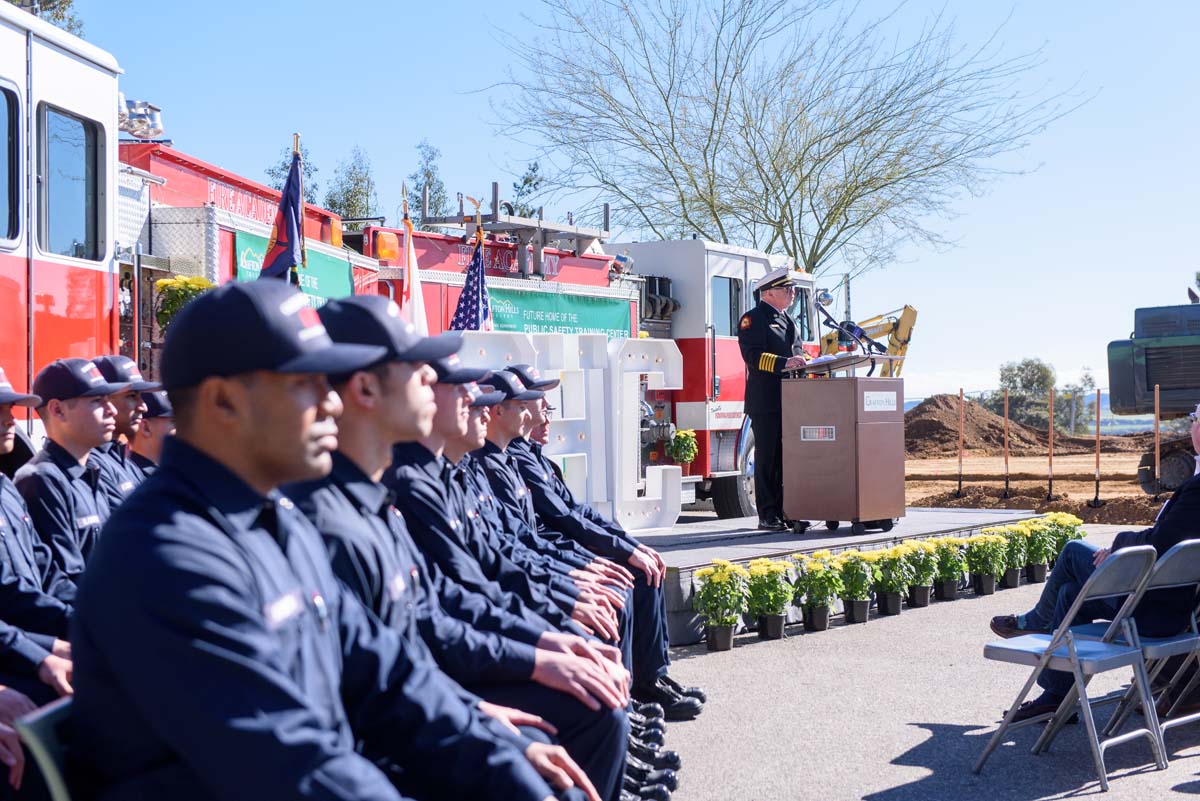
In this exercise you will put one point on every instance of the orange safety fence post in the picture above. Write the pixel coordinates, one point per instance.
(1050, 464)
(1157, 448)
(960, 443)
(1006, 492)
(1096, 503)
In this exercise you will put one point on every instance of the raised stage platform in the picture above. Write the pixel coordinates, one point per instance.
(698, 538)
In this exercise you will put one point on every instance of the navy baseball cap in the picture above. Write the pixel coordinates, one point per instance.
(157, 405)
(67, 379)
(484, 395)
(375, 320)
(513, 388)
(451, 371)
(239, 328)
(9, 395)
(124, 370)
(531, 378)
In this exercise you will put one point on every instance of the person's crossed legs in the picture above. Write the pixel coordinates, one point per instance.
(1075, 564)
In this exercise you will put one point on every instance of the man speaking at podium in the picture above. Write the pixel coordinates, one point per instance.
(770, 345)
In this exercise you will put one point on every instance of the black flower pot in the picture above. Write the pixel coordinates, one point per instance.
(1011, 579)
(816, 618)
(945, 590)
(719, 638)
(889, 603)
(1035, 574)
(857, 611)
(770, 627)
(918, 596)
(983, 584)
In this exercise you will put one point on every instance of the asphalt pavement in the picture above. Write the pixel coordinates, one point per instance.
(898, 708)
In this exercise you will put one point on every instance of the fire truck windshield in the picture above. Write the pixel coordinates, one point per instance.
(802, 314)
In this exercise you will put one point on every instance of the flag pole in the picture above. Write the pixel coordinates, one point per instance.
(300, 222)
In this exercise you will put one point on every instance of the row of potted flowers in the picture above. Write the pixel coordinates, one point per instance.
(765, 588)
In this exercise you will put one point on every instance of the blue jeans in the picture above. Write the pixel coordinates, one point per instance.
(1071, 570)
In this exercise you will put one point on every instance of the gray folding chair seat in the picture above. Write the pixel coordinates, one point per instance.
(1093, 656)
(1178, 567)
(41, 731)
(1122, 574)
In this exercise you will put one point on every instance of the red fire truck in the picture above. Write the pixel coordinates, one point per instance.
(88, 223)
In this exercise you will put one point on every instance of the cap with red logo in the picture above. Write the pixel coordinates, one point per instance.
(10, 396)
(531, 378)
(484, 395)
(256, 325)
(67, 379)
(451, 371)
(124, 370)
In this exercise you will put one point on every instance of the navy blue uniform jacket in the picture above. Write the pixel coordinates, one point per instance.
(374, 556)
(217, 657)
(1163, 613)
(66, 503)
(552, 508)
(766, 337)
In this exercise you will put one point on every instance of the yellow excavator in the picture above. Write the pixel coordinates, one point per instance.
(896, 325)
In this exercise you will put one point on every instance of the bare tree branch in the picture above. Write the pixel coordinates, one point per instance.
(793, 127)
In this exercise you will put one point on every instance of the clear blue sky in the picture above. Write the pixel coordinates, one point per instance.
(1048, 264)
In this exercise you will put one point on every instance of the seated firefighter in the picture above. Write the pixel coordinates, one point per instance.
(1161, 613)
(216, 654)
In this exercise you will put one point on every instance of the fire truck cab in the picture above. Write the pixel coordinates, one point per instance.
(697, 291)
(58, 109)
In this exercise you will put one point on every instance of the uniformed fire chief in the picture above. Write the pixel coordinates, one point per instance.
(770, 345)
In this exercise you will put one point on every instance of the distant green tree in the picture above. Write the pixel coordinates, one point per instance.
(1028, 383)
(277, 173)
(352, 193)
(526, 189)
(427, 175)
(58, 12)
(1076, 402)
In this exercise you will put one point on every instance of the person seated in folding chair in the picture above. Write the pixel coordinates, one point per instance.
(1161, 613)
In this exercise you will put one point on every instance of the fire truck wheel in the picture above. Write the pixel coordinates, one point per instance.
(832, 525)
(886, 525)
(799, 526)
(858, 529)
(733, 496)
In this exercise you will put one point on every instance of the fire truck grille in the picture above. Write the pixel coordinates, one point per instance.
(722, 451)
(1173, 368)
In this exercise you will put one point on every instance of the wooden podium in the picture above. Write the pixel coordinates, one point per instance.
(843, 452)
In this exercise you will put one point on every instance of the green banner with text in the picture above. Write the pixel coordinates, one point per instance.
(325, 277)
(553, 312)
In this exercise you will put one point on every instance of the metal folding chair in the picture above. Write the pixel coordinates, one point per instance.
(40, 730)
(1178, 567)
(1124, 573)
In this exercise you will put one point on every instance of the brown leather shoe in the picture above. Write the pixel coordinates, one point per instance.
(1006, 626)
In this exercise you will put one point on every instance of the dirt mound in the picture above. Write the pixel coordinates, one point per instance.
(1136, 510)
(931, 430)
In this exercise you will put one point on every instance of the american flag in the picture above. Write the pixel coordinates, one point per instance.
(473, 312)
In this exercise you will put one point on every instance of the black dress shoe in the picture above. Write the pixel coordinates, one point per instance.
(675, 706)
(649, 710)
(643, 775)
(655, 792)
(1042, 705)
(694, 692)
(774, 524)
(657, 722)
(651, 737)
(659, 760)
(658, 725)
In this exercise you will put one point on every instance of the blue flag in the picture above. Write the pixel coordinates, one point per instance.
(285, 251)
(473, 312)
